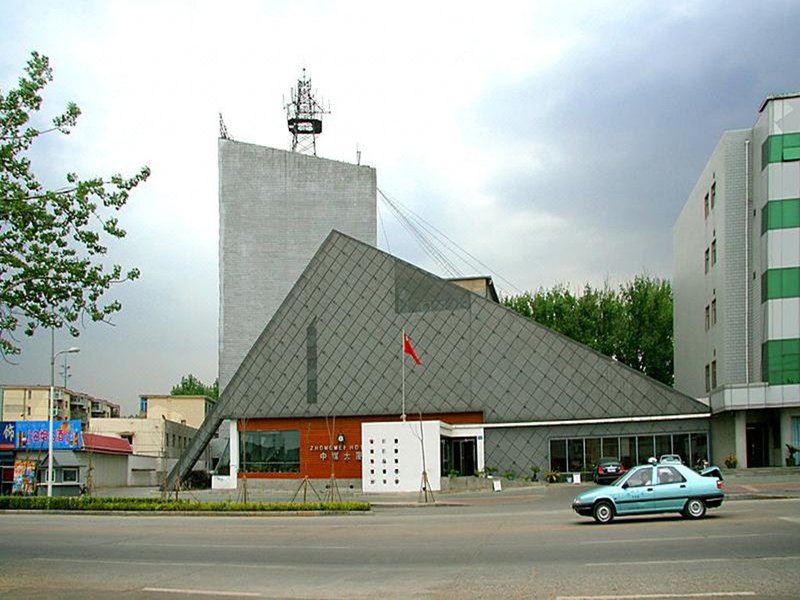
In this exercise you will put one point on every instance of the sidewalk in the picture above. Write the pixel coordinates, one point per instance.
(739, 484)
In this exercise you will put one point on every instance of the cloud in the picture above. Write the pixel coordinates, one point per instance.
(555, 142)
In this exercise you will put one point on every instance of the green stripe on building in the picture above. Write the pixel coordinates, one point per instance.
(780, 214)
(780, 362)
(780, 148)
(780, 283)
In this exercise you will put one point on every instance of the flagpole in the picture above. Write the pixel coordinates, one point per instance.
(403, 370)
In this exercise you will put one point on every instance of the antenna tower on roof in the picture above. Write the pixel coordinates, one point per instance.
(304, 117)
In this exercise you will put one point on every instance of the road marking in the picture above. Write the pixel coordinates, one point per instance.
(202, 592)
(246, 546)
(690, 561)
(160, 563)
(682, 539)
(791, 519)
(693, 595)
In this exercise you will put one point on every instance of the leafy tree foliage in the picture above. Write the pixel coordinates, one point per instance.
(52, 240)
(192, 386)
(632, 324)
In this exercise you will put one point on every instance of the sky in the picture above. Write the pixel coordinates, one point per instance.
(554, 141)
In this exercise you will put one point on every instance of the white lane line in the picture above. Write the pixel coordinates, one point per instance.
(682, 539)
(791, 519)
(693, 595)
(161, 563)
(202, 592)
(227, 546)
(690, 561)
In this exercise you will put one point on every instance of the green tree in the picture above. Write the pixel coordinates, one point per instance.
(52, 240)
(646, 337)
(632, 324)
(192, 386)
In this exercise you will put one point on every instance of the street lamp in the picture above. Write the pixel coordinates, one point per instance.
(53, 356)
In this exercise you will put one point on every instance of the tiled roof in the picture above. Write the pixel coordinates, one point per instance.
(105, 444)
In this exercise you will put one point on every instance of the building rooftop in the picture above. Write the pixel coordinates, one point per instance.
(778, 97)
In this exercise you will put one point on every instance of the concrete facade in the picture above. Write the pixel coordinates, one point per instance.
(737, 288)
(186, 410)
(276, 208)
(158, 439)
(29, 403)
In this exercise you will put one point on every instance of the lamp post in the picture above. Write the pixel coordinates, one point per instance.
(53, 356)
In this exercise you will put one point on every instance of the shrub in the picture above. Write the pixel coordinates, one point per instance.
(81, 503)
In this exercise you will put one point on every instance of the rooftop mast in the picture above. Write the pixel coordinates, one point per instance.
(304, 117)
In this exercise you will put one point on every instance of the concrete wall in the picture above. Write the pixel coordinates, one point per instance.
(107, 470)
(186, 410)
(276, 208)
(726, 281)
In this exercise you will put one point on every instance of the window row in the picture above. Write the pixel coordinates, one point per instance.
(780, 148)
(582, 454)
(780, 214)
(710, 256)
(780, 283)
(780, 362)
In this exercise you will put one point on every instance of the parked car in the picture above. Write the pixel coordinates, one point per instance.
(671, 458)
(607, 470)
(653, 488)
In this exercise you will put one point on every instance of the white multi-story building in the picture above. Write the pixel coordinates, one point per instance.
(737, 289)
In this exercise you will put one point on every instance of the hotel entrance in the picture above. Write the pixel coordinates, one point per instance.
(459, 456)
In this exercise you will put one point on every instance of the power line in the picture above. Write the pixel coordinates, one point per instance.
(438, 245)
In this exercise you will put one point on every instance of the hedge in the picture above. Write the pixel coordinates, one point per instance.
(80, 503)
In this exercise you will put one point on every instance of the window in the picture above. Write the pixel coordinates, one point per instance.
(558, 455)
(713, 252)
(699, 442)
(713, 312)
(705, 206)
(69, 475)
(575, 454)
(713, 374)
(270, 451)
(641, 477)
(780, 214)
(780, 362)
(669, 475)
(780, 283)
(708, 378)
(713, 193)
(708, 318)
(706, 260)
(592, 452)
(663, 445)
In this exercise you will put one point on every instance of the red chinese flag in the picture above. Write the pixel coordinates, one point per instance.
(408, 349)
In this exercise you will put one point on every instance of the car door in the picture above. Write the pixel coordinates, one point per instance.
(637, 494)
(670, 490)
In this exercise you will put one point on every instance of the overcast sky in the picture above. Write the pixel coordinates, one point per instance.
(556, 142)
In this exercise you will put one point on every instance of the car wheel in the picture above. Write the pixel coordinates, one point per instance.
(603, 512)
(695, 508)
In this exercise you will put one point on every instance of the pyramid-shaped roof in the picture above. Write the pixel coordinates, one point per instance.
(341, 326)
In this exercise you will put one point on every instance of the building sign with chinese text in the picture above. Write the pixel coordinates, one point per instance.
(7, 434)
(32, 435)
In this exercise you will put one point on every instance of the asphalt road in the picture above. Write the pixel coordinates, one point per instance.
(514, 546)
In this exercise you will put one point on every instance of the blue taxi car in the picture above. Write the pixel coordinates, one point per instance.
(654, 488)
